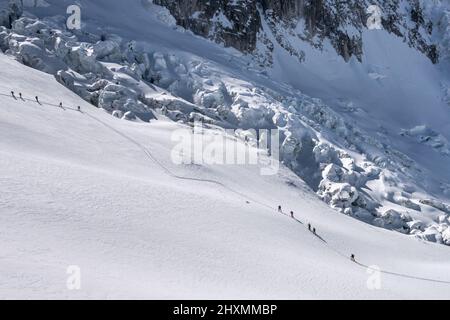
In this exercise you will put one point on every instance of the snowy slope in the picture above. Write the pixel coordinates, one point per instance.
(77, 188)
(396, 86)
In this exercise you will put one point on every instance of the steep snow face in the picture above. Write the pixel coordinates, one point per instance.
(358, 146)
(86, 190)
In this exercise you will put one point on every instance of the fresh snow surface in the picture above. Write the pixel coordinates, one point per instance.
(353, 146)
(87, 189)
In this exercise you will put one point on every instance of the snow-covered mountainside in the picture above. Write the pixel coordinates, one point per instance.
(248, 25)
(87, 190)
(364, 121)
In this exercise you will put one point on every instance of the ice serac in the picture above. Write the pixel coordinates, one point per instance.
(135, 232)
(10, 11)
(239, 23)
(335, 143)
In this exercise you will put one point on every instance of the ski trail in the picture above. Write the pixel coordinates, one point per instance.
(149, 154)
(401, 274)
(41, 103)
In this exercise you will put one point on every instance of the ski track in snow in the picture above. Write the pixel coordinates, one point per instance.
(149, 154)
(377, 175)
(86, 188)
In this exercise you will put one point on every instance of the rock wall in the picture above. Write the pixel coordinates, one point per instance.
(234, 23)
(238, 23)
(10, 11)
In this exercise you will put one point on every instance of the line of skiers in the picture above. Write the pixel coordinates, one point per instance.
(280, 210)
(14, 96)
(310, 228)
(37, 100)
(313, 230)
(21, 98)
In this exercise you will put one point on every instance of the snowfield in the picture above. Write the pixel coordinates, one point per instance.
(364, 158)
(77, 189)
(357, 132)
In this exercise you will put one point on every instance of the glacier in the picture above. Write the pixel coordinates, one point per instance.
(366, 134)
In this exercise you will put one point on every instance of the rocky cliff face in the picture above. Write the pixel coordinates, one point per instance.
(234, 23)
(241, 23)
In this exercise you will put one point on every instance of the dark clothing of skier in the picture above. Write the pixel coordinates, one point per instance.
(309, 226)
(13, 95)
(292, 214)
(352, 257)
(279, 208)
(314, 230)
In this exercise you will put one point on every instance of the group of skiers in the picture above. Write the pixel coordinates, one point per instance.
(14, 96)
(37, 100)
(292, 216)
(313, 230)
(310, 228)
(21, 98)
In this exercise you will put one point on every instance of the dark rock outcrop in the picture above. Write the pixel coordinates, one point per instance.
(239, 23)
(234, 23)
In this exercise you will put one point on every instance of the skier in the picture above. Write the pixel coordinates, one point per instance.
(309, 226)
(279, 209)
(314, 230)
(292, 214)
(352, 257)
(79, 108)
(60, 105)
(37, 99)
(20, 95)
(13, 95)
